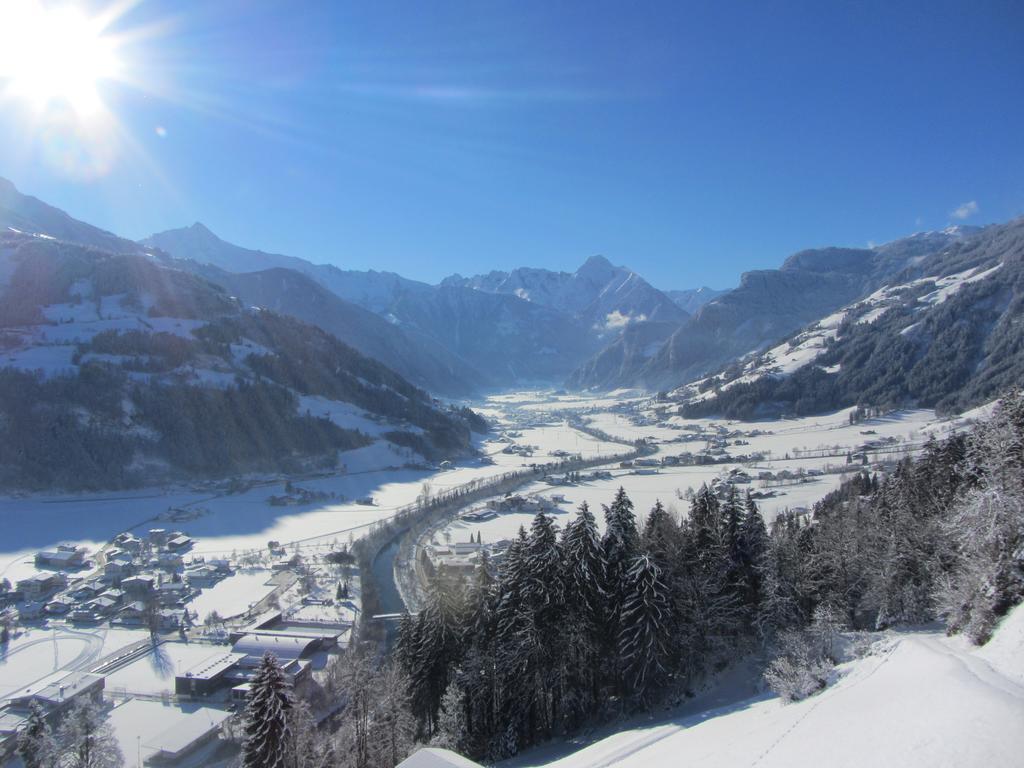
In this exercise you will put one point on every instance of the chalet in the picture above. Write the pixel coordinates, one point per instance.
(170, 561)
(179, 543)
(118, 555)
(172, 593)
(115, 571)
(103, 605)
(41, 585)
(168, 619)
(479, 515)
(59, 606)
(87, 591)
(133, 613)
(128, 542)
(31, 611)
(158, 536)
(139, 586)
(64, 556)
(202, 576)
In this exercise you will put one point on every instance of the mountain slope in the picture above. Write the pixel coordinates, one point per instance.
(116, 372)
(371, 290)
(631, 350)
(950, 339)
(30, 215)
(770, 304)
(507, 339)
(455, 337)
(916, 700)
(416, 357)
(693, 299)
(604, 296)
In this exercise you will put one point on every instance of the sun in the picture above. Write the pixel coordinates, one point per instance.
(55, 56)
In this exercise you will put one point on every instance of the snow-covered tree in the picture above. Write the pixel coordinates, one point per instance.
(646, 625)
(268, 739)
(85, 738)
(36, 746)
(452, 732)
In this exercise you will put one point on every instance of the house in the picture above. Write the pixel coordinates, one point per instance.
(115, 571)
(202, 576)
(103, 605)
(158, 537)
(64, 556)
(139, 585)
(179, 543)
(31, 611)
(56, 692)
(86, 591)
(172, 593)
(117, 595)
(170, 561)
(133, 614)
(59, 606)
(41, 585)
(465, 547)
(128, 542)
(118, 555)
(168, 619)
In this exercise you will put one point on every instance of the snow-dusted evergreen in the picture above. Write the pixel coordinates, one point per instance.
(268, 736)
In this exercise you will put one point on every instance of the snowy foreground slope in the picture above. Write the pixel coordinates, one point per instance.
(916, 699)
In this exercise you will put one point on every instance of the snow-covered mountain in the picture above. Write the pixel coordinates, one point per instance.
(417, 357)
(947, 338)
(770, 304)
(116, 371)
(455, 339)
(604, 296)
(693, 299)
(24, 213)
(372, 290)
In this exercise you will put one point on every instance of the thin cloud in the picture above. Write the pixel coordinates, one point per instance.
(447, 93)
(964, 210)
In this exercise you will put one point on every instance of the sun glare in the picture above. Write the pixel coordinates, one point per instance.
(55, 56)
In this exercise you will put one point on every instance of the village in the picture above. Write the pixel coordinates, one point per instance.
(165, 622)
(171, 672)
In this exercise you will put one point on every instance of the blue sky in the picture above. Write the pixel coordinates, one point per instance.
(691, 142)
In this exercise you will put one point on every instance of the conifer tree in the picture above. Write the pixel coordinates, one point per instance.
(267, 730)
(584, 614)
(645, 628)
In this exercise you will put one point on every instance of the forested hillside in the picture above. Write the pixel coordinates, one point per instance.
(770, 304)
(575, 628)
(951, 341)
(117, 371)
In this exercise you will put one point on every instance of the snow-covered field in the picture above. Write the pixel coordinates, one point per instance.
(670, 484)
(140, 726)
(38, 652)
(153, 673)
(231, 524)
(917, 700)
(233, 595)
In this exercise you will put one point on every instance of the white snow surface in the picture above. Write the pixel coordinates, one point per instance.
(917, 700)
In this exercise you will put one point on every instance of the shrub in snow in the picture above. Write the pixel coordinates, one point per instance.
(801, 669)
